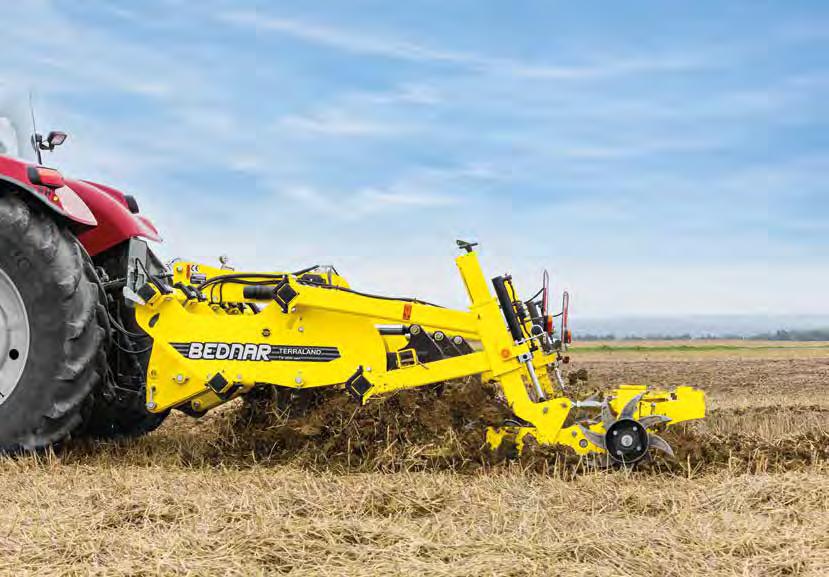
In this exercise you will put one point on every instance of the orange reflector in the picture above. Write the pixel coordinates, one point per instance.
(43, 176)
(407, 311)
(505, 353)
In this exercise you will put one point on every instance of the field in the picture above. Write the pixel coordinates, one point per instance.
(401, 488)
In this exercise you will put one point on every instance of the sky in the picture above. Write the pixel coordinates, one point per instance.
(658, 158)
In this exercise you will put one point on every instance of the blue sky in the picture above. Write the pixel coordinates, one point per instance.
(656, 157)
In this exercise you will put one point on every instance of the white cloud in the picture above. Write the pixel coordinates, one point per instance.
(342, 39)
(412, 198)
(350, 206)
(338, 123)
(423, 94)
(641, 146)
(362, 43)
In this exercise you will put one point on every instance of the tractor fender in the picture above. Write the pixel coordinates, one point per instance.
(99, 215)
(62, 203)
(116, 215)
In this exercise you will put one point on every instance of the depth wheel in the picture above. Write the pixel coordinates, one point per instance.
(626, 440)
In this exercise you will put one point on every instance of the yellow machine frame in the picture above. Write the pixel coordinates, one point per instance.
(321, 334)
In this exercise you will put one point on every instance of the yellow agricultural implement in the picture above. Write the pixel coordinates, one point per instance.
(218, 334)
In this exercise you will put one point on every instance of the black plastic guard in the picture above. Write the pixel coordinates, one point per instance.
(358, 385)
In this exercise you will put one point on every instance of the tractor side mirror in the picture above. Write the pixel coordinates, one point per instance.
(55, 138)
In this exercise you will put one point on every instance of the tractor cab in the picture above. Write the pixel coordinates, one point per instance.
(18, 134)
(16, 127)
(8, 138)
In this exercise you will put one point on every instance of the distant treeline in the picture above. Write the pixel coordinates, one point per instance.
(795, 335)
(780, 335)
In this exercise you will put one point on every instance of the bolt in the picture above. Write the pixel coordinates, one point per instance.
(197, 405)
(293, 309)
(583, 443)
(439, 336)
(153, 373)
(266, 332)
(627, 440)
(458, 340)
(238, 377)
(545, 410)
(368, 369)
(180, 379)
(298, 380)
(301, 329)
(151, 405)
(574, 433)
(615, 433)
(179, 268)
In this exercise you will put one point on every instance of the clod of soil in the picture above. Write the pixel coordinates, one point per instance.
(441, 426)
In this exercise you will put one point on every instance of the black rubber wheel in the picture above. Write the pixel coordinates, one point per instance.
(51, 357)
(119, 407)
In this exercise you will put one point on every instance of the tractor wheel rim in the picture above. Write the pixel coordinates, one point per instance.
(14, 337)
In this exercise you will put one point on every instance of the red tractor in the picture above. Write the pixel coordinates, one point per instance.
(66, 249)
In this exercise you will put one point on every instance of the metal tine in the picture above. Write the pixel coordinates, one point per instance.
(653, 420)
(630, 408)
(607, 415)
(594, 438)
(660, 444)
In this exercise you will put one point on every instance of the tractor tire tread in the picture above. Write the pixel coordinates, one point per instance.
(60, 389)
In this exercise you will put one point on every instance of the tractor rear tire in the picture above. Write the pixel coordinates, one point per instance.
(51, 340)
(121, 418)
(120, 412)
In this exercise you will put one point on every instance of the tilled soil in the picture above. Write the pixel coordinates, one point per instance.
(765, 415)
